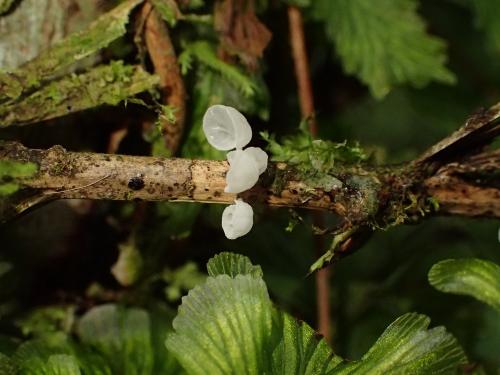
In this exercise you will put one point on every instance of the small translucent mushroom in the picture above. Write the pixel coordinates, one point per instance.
(226, 128)
(243, 172)
(259, 156)
(237, 219)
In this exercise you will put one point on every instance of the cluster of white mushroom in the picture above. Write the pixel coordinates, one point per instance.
(227, 129)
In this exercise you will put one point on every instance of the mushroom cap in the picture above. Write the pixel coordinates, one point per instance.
(243, 171)
(226, 128)
(237, 219)
(259, 156)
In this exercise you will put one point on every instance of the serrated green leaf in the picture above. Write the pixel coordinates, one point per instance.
(301, 351)
(58, 364)
(384, 45)
(408, 347)
(7, 366)
(232, 264)
(121, 335)
(161, 322)
(231, 314)
(473, 277)
(224, 327)
(487, 16)
(205, 53)
(36, 353)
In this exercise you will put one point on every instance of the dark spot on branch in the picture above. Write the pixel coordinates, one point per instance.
(136, 183)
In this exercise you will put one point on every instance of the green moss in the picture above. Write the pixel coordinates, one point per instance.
(14, 169)
(106, 84)
(307, 154)
(75, 47)
(168, 11)
(8, 188)
(12, 174)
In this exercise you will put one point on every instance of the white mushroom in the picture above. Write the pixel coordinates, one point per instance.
(260, 157)
(237, 219)
(226, 128)
(243, 171)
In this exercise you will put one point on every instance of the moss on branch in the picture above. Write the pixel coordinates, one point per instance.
(75, 47)
(107, 84)
(372, 197)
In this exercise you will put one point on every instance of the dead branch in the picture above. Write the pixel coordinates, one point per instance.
(367, 196)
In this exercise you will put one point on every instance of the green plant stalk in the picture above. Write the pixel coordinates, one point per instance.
(327, 257)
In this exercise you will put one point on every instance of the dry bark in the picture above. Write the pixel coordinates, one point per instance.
(470, 187)
(455, 174)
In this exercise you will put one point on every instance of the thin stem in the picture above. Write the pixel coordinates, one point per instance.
(301, 64)
(163, 57)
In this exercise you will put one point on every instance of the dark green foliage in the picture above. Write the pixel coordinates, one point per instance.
(384, 45)
(232, 264)
(83, 286)
(475, 277)
(487, 13)
(234, 317)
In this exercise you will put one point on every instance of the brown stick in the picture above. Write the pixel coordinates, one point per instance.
(468, 188)
(301, 64)
(164, 60)
(63, 174)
